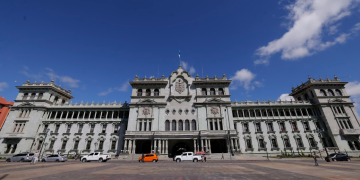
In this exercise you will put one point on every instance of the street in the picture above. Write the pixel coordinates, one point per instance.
(216, 169)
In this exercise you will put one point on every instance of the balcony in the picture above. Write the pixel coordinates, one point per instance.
(350, 131)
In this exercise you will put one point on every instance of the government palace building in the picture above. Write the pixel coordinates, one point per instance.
(170, 115)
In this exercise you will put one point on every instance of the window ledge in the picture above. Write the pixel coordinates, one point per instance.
(258, 132)
(99, 150)
(308, 131)
(112, 150)
(262, 149)
(102, 134)
(275, 148)
(283, 131)
(295, 131)
(66, 134)
(114, 134)
(86, 150)
(249, 149)
(55, 134)
(315, 147)
(89, 134)
(301, 148)
(273, 132)
(246, 132)
(61, 150)
(78, 134)
(288, 148)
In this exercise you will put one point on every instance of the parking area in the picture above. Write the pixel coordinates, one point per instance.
(216, 169)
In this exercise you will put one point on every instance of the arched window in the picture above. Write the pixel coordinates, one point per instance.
(306, 96)
(299, 98)
(180, 125)
(63, 102)
(187, 125)
(167, 125)
(212, 91)
(40, 96)
(25, 96)
(221, 91)
(203, 92)
(331, 93)
(139, 92)
(173, 124)
(156, 92)
(32, 96)
(351, 145)
(148, 92)
(322, 93)
(338, 92)
(193, 125)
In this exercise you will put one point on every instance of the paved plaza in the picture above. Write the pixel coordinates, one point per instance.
(216, 169)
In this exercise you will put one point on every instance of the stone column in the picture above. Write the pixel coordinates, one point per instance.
(218, 124)
(160, 146)
(209, 144)
(206, 146)
(125, 145)
(236, 145)
(134, 146)
(130, 146)
(202, 144)
(208, 120)
(194, 146)
(232, 143)
(166, 147)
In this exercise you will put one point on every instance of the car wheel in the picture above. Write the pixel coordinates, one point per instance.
(154, 160)
(22, 160)
(57, 160)
(83, 160)
(178, 160)
(43, 160)
(195, 160)
(8, 160)
(100, 160)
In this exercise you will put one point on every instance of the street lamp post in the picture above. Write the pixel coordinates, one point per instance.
(267, 155)
(46, 133)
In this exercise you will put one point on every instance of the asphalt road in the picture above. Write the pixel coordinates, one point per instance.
(216, 170)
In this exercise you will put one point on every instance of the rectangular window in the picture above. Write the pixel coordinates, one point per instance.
(101, 145)
(113, 145)
(57, 127)
(220, 124)
(287, 143)
(104, 128)
(51, 144)
(116, 128)
(248, 144)
(312, 142)
(306, 126)
(261, 143)
(270, 127)
(63, 146)
(211, 125)
(140, 126)
(246, 127)
(39, 145)
(92, 127)
(150, 126)
(258, 127)
(274, 143)
(299, 142)
(68, 128)
(45, 127)
(88, 144)
(80, 128)
(216, 125)
(293, 125)
(350, 125)
(16, 126)
(76, 144)
(145, 125)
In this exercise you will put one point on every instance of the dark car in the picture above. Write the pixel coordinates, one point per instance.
(337, 157)
(22, 157)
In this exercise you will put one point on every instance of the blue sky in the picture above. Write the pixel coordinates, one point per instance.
(96, 47)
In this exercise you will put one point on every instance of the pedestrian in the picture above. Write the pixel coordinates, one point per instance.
(35, 157)
(316, 163)
(74, 154)
(222, 156)
(205, 157)
(76, 157)
(143, 157)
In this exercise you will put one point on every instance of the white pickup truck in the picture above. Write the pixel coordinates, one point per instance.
(187, 156)
(97, 156)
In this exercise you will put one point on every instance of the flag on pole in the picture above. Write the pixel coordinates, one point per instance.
(179, 53)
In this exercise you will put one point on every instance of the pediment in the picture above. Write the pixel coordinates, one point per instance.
(26, 104)
(214, 100)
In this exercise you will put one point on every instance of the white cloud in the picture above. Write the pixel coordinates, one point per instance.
(243, 78)
(285, 97)
(106, 92)
(187, 67)
(308, 19)
(29, 75)
(353, 89)
(124, 87)
(3, 85)
(26, 68)
(69, 81)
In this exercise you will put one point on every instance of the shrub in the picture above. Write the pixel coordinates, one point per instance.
(302, 153)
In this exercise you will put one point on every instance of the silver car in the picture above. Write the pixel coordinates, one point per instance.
(55, 158)
(22, 157)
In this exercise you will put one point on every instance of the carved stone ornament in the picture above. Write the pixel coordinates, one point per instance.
(146, 111)
(214, 110)
(179, 86)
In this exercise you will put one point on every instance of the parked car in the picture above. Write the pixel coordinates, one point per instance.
(149, 158)
(337, 157)
(55, 158)
(187, 156)
(96, 157)
(22, 157)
